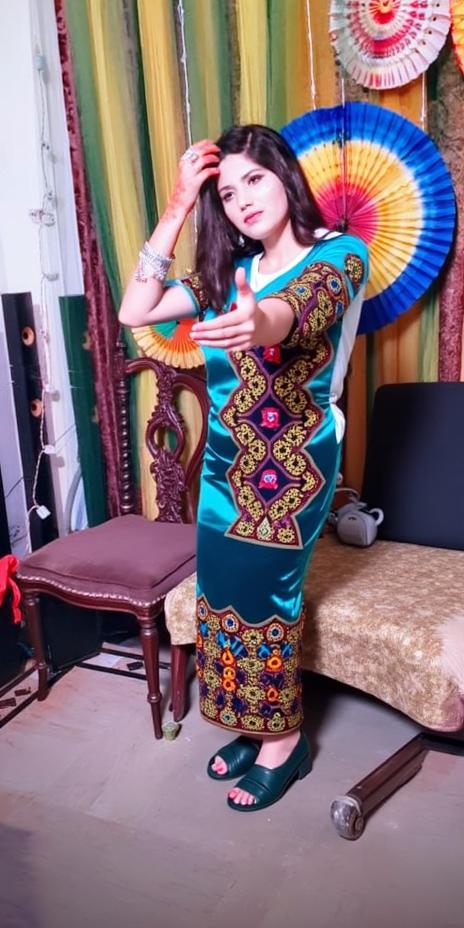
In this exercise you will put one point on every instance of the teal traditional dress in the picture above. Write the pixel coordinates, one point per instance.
(269, 473)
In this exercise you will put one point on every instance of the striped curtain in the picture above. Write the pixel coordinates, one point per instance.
(153, 76)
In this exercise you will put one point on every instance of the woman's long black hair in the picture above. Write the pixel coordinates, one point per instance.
(219, 242)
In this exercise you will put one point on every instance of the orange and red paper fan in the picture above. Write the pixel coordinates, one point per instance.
(170, 342)
(457, 30)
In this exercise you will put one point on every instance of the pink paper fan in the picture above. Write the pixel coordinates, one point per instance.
(388, 43)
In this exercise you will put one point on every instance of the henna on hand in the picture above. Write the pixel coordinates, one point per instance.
(191, 175)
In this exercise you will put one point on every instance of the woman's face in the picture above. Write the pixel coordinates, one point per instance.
(253, 198)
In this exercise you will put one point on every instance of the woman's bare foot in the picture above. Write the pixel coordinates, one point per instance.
(274, 752)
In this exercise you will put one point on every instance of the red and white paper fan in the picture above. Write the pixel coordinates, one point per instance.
(388, 43)
(457, 29)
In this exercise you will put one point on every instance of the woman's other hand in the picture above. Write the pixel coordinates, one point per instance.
(237, 330)
(247, 324)
(198, 164)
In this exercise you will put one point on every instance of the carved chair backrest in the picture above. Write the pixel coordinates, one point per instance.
(176, 483)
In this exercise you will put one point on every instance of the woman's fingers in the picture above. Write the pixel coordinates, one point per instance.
(241, 282)
(221, 322)
(192, 174)
(223, 326)
(206, 159)
(240, 276)
(208, 172)
(205, 143)
(234, 343)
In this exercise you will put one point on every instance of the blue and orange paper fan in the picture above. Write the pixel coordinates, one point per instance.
(170, 342)
(376, 175)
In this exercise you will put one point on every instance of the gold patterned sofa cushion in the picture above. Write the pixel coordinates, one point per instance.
(180, 611)
(388, 620)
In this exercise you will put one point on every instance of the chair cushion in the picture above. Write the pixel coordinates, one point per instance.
(127, 557)
(389, 620)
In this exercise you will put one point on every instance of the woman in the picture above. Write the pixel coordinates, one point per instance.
(277, 303)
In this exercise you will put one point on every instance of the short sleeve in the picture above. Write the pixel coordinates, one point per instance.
(192, 284)
(323, 291)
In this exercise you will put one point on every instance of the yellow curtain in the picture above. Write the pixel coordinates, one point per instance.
(324, 61)
(297, 75)
(252, 45)
(208, 71)
(124, 179)
(119, 134)
(167, 138)
(164, 105)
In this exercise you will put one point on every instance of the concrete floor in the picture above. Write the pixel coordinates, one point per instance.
(102, 825)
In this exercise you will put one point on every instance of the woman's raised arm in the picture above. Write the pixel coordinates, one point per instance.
(146, 300)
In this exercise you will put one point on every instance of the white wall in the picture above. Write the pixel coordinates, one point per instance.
(28, 31)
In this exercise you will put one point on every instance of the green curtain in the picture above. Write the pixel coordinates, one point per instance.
(76, 338)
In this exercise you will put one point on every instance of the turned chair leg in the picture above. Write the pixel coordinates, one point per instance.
(31, 608)
(150, 647)
(179, 662)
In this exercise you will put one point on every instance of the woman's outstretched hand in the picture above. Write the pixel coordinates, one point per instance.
(237, 330)
(192, 174)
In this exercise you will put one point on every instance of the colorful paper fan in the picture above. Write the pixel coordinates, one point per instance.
(170, 342)
(377, 175)
(457, 29)
(387, 43)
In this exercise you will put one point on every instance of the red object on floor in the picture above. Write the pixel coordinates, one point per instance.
(8, 567)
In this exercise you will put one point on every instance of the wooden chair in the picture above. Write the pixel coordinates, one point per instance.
(129, 563)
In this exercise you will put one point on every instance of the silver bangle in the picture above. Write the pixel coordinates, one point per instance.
(152, 264)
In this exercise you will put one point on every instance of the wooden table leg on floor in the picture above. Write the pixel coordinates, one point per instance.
(348, 812)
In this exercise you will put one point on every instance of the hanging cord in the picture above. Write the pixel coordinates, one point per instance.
(423, 115)
(186, 90)
(311, 55)
(44, 217)
(342, 142)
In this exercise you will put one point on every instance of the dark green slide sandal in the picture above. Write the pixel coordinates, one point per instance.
(268, 786)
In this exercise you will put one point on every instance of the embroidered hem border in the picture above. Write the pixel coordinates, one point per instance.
(249, 675)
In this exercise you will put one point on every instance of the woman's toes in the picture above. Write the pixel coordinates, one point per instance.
(219, 766)
(241, 798)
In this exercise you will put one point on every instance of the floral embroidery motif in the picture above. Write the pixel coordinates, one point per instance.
(269, 480)
(249, 676)
(272, 417)
(273, 354)
(354, 269)
(318, 297)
